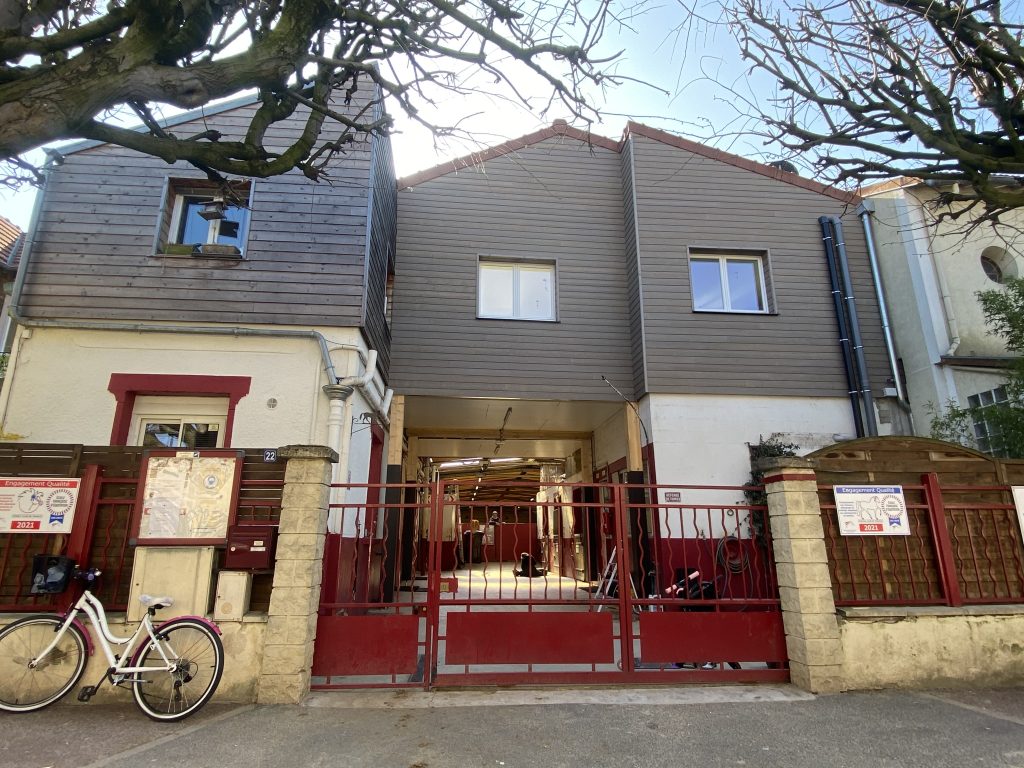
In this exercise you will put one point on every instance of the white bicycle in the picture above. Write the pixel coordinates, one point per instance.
(173, 671)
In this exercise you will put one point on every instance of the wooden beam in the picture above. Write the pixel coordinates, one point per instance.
(396, 434)
(634, 453)
(508, 434)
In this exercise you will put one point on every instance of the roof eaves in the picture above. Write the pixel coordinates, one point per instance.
(476, 159)
(889, 185)
(170, 122)
(655, 134)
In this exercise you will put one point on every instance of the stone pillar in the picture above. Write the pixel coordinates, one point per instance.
(291, 621)
(808, 608)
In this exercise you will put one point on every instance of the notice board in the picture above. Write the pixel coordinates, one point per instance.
(187, 497)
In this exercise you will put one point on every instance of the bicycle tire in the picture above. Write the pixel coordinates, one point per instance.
(27, 689)
(173, 695)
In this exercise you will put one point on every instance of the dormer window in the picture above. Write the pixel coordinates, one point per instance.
(205, 221)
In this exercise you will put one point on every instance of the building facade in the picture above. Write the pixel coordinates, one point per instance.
(156, 308)
(933, 267)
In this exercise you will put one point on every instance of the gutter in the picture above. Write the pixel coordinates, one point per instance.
(380, 405)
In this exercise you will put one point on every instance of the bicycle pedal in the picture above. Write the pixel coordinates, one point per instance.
(87, 692)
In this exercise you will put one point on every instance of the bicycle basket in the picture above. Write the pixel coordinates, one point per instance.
(51, 574)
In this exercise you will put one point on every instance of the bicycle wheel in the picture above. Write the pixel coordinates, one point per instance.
(26, 689)
(197, 656)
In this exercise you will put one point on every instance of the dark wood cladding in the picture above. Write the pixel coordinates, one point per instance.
(619, 222)
(685, 200)
(380, 249)
(559, 200)
(304, 264)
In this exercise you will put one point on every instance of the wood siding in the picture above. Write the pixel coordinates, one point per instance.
(380, 248)
(636, 319)
(304, 261)
(689, 201)
(559, 200)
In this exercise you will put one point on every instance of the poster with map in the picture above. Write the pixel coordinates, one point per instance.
(187, 497)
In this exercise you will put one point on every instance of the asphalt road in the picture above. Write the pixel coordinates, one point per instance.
(612, 728)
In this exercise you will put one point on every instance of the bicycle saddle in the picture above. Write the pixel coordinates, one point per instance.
(156, 602)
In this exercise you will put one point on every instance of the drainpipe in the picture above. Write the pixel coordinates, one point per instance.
(844, 334)
(865, 210)
(379, 404)
(855, 337)
(339, 432)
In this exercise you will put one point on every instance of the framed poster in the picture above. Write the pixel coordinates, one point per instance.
(38, 504)
(871, 510)
(187, 497)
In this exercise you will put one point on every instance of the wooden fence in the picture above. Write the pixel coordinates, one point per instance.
(110, 481)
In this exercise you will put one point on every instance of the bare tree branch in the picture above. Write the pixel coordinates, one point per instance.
(65, 65)
(871, 89)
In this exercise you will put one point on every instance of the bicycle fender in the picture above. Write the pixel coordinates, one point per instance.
(88, 636)
(201, 619)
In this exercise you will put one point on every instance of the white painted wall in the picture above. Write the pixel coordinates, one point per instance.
(56, 387)
(703, 439)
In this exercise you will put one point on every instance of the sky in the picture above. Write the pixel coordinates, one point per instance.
(691, 79)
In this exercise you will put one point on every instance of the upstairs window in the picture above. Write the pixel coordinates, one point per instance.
(204, 220)
(728, 282)
(516, 290)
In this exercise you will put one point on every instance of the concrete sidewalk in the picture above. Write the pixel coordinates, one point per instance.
(703, 726)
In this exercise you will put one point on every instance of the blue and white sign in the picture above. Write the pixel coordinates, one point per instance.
(871, 510)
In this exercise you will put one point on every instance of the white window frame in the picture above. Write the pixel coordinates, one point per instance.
(517, 264)
(182, 409)
(170, 418)
(760, 261)
(177, 191)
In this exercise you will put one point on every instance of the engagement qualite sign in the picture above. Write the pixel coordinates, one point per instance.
(38, 504)
(871, 510)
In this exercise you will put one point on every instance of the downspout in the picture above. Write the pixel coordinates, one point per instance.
(865, 210)
(855, 337)
(844, 335)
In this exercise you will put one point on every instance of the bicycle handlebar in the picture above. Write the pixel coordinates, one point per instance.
(88, 575)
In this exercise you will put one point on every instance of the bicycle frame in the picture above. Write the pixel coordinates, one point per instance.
(116, 669)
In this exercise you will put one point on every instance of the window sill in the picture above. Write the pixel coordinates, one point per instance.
(734, 312)
(516, 319)
(190, 255)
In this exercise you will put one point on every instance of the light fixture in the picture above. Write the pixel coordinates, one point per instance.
(213, 210)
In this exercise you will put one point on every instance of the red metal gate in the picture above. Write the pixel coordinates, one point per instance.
(595, 583)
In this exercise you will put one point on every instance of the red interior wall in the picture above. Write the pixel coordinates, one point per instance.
(510, 541)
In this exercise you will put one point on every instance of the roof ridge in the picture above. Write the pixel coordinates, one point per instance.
(771, 171)
(474, 159)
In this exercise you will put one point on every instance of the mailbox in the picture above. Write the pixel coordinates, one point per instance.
(250, 548)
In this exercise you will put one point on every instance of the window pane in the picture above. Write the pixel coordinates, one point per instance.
(194, 228)
(231, 226)
(706, 276)
(495, 290)
(744, 285)
(199, 435)
(161, 435)
(536, 292)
